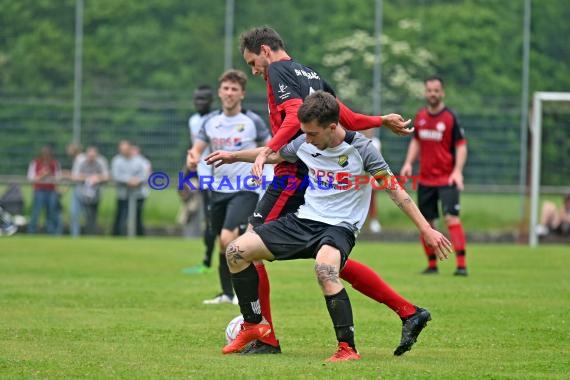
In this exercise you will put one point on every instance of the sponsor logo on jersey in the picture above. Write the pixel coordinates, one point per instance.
(316, 155)
(283, 93)
(225, 142)
(430, 134)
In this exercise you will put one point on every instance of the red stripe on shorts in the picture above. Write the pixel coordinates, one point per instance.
(286, 193)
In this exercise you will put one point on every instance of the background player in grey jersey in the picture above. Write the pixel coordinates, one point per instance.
(231, 202)
(202, 99)
(325, 227)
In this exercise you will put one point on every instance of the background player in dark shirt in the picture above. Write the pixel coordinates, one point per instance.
(441, 146)
(203, 98)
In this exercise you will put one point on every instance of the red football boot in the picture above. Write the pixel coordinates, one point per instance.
(344, 353)
(248, 333)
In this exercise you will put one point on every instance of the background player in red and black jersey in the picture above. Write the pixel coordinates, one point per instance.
(441, 146)
(288, 83)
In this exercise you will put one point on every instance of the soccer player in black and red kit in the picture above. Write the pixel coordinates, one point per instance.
(442, 148)
(288, 83)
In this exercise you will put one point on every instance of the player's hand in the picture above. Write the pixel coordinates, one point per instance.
(456, 178)
(191, 161)
(260, 160)
(220, 157)
(257, 168)
(438, 242)
(133, 182)
(397, 124)
(406, 170)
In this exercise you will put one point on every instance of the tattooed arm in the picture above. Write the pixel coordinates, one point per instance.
(431, 236)
(404, 202)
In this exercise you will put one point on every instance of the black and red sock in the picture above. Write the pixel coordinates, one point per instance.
(340, 311)
(457, 236)
(430, 253)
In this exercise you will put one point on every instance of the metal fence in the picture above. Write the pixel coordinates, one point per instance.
(159, 127)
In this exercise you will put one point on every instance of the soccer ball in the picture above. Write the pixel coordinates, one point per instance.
(233, 328)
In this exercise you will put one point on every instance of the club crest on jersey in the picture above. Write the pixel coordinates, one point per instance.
(240, 127)
(343, 160)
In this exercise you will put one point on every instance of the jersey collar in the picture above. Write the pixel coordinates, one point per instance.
(287, 58)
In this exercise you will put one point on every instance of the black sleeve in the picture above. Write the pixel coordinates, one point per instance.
(458, 133)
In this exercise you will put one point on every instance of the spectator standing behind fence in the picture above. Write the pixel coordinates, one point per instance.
(442, 148)
(89, 171)
(74, 151)
(129, 171)
(74, 154)
(138, 154)
(43, 172)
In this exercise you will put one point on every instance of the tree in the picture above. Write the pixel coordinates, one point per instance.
(404, 67)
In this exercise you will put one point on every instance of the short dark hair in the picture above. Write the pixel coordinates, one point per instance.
(233, 75)
(320, 106)
(204, 87)
(432, 78)
(261, 35)
(204, 91)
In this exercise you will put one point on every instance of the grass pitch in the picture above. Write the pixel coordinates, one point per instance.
(112, 308)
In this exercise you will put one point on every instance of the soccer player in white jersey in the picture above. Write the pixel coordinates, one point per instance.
(326, 226)
(231, 202)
